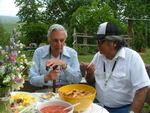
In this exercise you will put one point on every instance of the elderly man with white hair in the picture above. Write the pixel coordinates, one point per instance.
(55, 61)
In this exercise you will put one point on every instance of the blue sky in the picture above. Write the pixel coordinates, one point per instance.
(8, 8)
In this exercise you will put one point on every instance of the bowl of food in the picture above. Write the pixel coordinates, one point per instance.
(55, 106)
(78, 93)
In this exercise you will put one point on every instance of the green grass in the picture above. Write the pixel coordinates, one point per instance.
(146, 56)
(85, 58)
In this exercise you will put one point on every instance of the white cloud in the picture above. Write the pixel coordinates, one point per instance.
(7, 7)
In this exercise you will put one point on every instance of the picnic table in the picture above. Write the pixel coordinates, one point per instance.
(94, 108)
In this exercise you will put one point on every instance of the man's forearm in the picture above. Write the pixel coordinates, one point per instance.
(139, 99)
(90, 79)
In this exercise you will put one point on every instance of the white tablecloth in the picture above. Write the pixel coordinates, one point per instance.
(94, 108)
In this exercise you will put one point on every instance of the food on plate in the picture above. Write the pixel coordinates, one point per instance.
(20, 100)
(54, 109)
(77, 93)
(48, 95)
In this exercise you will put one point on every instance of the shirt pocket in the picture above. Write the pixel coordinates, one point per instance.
(118, 75)
(99, 74)
(118, 80)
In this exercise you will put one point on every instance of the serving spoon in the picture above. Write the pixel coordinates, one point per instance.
(67, 108)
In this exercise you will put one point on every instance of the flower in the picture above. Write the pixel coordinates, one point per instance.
(12, 65)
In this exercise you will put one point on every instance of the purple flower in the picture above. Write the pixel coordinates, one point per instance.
(18, 80)
(1, 63)
(13, 57)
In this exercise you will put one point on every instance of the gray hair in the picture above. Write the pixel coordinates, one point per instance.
(56, 27)
(119, 40)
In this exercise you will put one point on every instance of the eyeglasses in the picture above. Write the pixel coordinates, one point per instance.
(100, 42)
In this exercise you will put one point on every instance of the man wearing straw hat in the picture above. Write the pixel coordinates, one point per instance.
(117, 72)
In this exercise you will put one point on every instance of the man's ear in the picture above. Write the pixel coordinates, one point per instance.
(115, 45)
(49, 40)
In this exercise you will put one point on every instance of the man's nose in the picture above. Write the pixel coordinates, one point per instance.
(59, 42)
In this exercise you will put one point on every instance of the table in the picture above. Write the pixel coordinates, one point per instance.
(94, 108)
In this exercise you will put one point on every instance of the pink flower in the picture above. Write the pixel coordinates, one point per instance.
(13, 57)
(18, 80)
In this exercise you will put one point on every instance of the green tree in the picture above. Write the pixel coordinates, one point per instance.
(88, 18)
(135, 9)
(60, 11)
(29, 10)
(33, 30)
(130, 8)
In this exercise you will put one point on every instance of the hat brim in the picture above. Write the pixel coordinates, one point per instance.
(114, 37)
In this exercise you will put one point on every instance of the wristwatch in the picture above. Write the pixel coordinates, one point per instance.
(131, 111)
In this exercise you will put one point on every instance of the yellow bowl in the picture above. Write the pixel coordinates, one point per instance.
(85, 101)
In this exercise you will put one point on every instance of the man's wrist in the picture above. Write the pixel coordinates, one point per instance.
(45, 79)
(64, 66)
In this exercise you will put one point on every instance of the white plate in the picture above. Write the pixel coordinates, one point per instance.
(29, 107)
(94, 108)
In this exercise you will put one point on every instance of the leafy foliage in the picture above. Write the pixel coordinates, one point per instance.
(60, 11)
(86, 19)
(29, 10)
(33, 30)
(85, 15)
(135, 9)
(139, 40)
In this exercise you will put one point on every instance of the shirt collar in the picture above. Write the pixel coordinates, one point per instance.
(120, 53)
(46, 53)
(65, 52)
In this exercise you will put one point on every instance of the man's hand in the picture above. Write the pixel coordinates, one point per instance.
(89, 72)
(55, 62)
(52, 75)
(90, 69)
